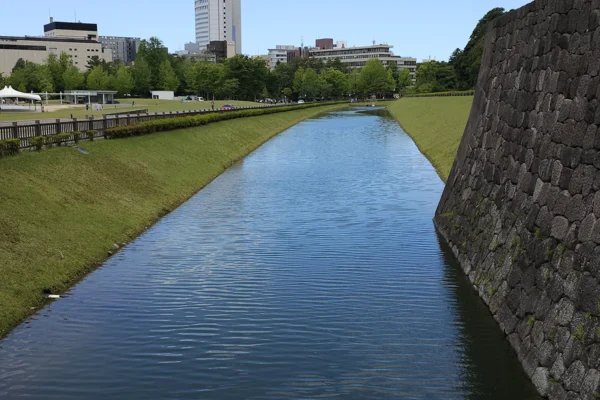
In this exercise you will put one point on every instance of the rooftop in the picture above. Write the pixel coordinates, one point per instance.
(44, 39)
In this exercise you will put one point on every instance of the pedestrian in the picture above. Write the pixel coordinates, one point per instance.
(133, 103)
(87, 107)
(213, 105)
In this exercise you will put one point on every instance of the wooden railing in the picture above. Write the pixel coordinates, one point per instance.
(25, 130)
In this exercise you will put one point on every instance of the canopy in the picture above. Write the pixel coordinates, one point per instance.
(9, 92)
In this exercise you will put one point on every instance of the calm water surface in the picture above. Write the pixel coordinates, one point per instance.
(309, 270)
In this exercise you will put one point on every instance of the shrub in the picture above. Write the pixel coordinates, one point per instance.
(38, 142)
(50, 140)
(162, 125)
(62, 138)
(90, 134)
(9, 147)
(76, 136)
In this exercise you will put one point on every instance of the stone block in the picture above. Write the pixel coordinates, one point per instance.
(560, 227)
(573, 377)
(587, 227)
(541, 380)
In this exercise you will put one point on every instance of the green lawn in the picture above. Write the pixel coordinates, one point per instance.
(62, 211)
(436, 124)
(126, 105)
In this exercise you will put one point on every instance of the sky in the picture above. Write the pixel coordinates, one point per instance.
(416, 28)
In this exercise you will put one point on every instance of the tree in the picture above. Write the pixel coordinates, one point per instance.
(354, 83)
(97, 79)
(467, 62)
(73, 79)
(338, 65)
(404, 79)
(337, 81)
(94, 62)
(58, 66)
(306, 83)
(228, 88)
(155, 54)
(123, 81)
(141, 77)
(168, 79)
(250, 73)
(45, 83)
(374, 79)
(20, 64)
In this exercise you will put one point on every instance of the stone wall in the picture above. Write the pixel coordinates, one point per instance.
(521, 209)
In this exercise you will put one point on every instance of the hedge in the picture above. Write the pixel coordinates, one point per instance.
(162, 125)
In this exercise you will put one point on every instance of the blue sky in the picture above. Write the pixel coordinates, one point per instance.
(417, 28)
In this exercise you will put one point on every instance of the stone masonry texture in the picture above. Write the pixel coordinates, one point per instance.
(521, 208)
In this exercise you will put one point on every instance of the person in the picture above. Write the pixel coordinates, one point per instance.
(87, 107)
(133, 103)
(213, 105)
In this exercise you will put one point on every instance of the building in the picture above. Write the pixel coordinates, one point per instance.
(90, 96)
(78, 40)
(324, 44)
(357, 57)
(123, 48)
(279, 55)
(163, 95)
(222, 49)
(298, 52)
(219, 20)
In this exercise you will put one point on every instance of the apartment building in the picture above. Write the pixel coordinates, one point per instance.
(219, 20)
(279, 54)
(123, 48)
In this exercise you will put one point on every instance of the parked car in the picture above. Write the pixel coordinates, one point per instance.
(300, 101)
(227, 107)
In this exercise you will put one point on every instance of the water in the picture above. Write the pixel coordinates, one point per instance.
(309, 270)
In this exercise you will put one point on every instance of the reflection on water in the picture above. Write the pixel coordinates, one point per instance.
(310, 270)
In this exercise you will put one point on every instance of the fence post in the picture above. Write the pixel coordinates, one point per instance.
(74, 124)
(15, 131)
(57, 126)
(104, 122)
(38, 128)
(128, 119)
(91, 123)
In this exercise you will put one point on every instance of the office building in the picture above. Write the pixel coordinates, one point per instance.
(222, 49)
(324, 44)
(78, 40)
(123, 48)
(219, 20)
(279, 55)
(357, 57)
(298, 52)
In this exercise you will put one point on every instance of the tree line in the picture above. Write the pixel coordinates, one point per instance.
(460, 72)
(240, 77)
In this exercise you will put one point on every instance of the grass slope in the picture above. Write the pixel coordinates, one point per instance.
(436, 124)
(63, 210)
(126, 105)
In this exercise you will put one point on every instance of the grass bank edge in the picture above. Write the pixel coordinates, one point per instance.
(436, 125)
(46, 263)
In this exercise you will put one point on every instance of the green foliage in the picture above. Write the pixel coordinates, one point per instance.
(531, 322)
(449, 214)
(492, 291)
(142, 77)
(97, 79)
(76, 135)
(154, 54)
(580, 333)
(124, 83)
(162, 125)
(516, 242)
(90, 134)
(538, 233)
(168, 79)
(467, 62)
(549, 254)
(38, 142)
(404, 80)
(62, 138)
(73, 79)
(9, 147)
(374, 79)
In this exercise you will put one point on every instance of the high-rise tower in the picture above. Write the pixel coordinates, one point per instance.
(219, 20)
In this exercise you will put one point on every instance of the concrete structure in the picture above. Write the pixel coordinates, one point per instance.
(37, 50)
(122, 48)
(357, 57)
(78, 40)
(89, 96)
(341, 44)
(222, 49)
(521, 208)
(279, 54)
(298, 52)
(163, 95)
(219, 20)
(324, 44)
(193, 48)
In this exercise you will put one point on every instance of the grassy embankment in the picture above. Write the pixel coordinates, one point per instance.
(126, 105)
(436, 124)
(63, 210)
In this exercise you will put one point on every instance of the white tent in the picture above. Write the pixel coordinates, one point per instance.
(9, 92)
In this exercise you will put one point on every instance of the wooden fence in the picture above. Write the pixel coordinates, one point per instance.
(25, 130)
